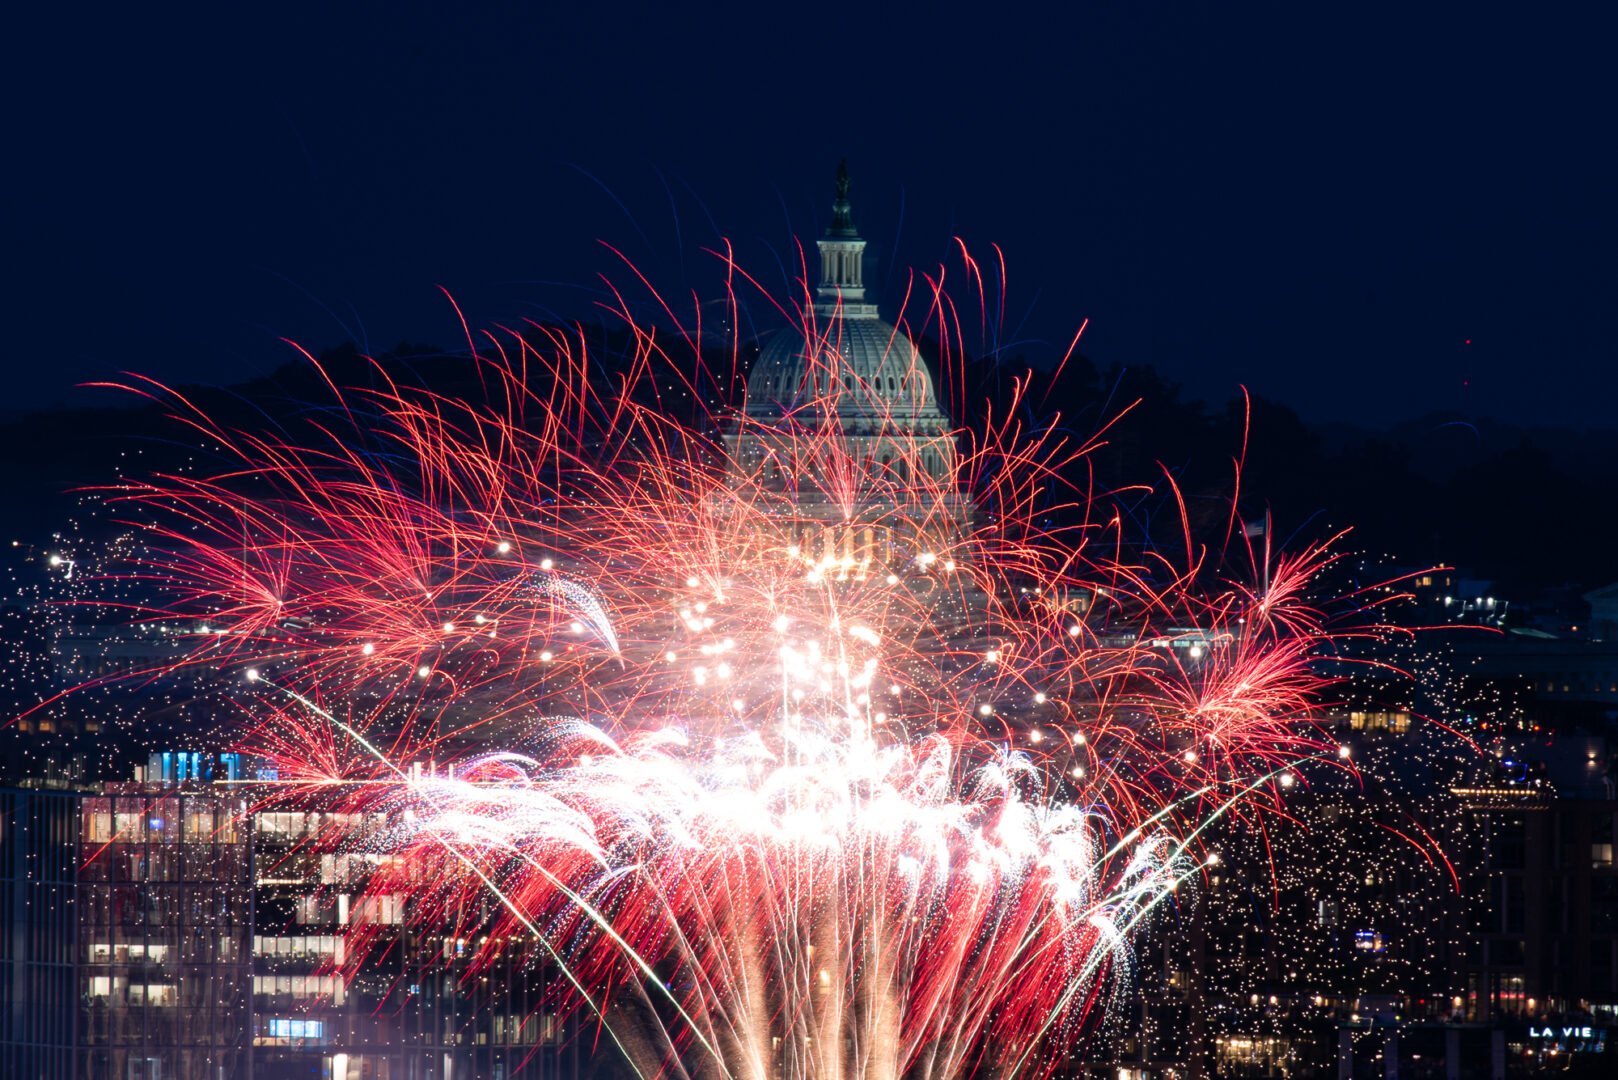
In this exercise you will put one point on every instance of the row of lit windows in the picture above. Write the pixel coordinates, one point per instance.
(313, 946)
(1250, 1054)
(118, 990)
(133, 821)
(105, 952)
(45, 725)
(289, 826)
(280, 1031)
(355, 868)
(526, 1030)
(193, 948)
(384, 910)
(1396, 722)
(300, 987)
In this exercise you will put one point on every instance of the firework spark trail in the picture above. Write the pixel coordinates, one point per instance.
(947, 910)
(584, 603)
(883, 760)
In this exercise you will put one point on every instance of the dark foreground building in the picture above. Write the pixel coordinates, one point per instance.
(165, 930)
(39, 988)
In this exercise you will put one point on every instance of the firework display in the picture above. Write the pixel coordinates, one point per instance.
(803, 733)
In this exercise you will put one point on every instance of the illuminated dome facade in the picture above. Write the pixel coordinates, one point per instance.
(842, 415)
(843, 365)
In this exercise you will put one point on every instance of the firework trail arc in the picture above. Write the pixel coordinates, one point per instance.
(890, 743)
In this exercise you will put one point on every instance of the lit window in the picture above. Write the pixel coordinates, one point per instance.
(281, 1028)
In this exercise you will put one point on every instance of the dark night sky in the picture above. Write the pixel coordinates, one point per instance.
(1322, 201)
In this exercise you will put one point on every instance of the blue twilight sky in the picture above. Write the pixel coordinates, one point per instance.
(1325, 202)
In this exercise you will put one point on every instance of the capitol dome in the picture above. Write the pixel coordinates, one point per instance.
(841, 363)
(883, 379)
(843, 419)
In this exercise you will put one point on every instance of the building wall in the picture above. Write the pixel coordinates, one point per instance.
(37, 978)
(164, 913)
(170, 932)
(412, 1005)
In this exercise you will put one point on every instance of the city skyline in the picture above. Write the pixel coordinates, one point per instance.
(854, 544)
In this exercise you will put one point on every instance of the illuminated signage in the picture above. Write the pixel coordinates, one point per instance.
(1570, 1037)
(296, 1029)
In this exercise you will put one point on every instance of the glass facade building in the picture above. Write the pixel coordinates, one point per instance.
(171, 931)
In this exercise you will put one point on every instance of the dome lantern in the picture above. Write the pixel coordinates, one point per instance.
(843, 350)
(842, 260)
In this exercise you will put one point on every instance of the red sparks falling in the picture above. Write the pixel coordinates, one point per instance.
(591, 570)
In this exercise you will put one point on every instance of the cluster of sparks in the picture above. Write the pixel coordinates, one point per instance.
(848, 909)
(776, 803)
